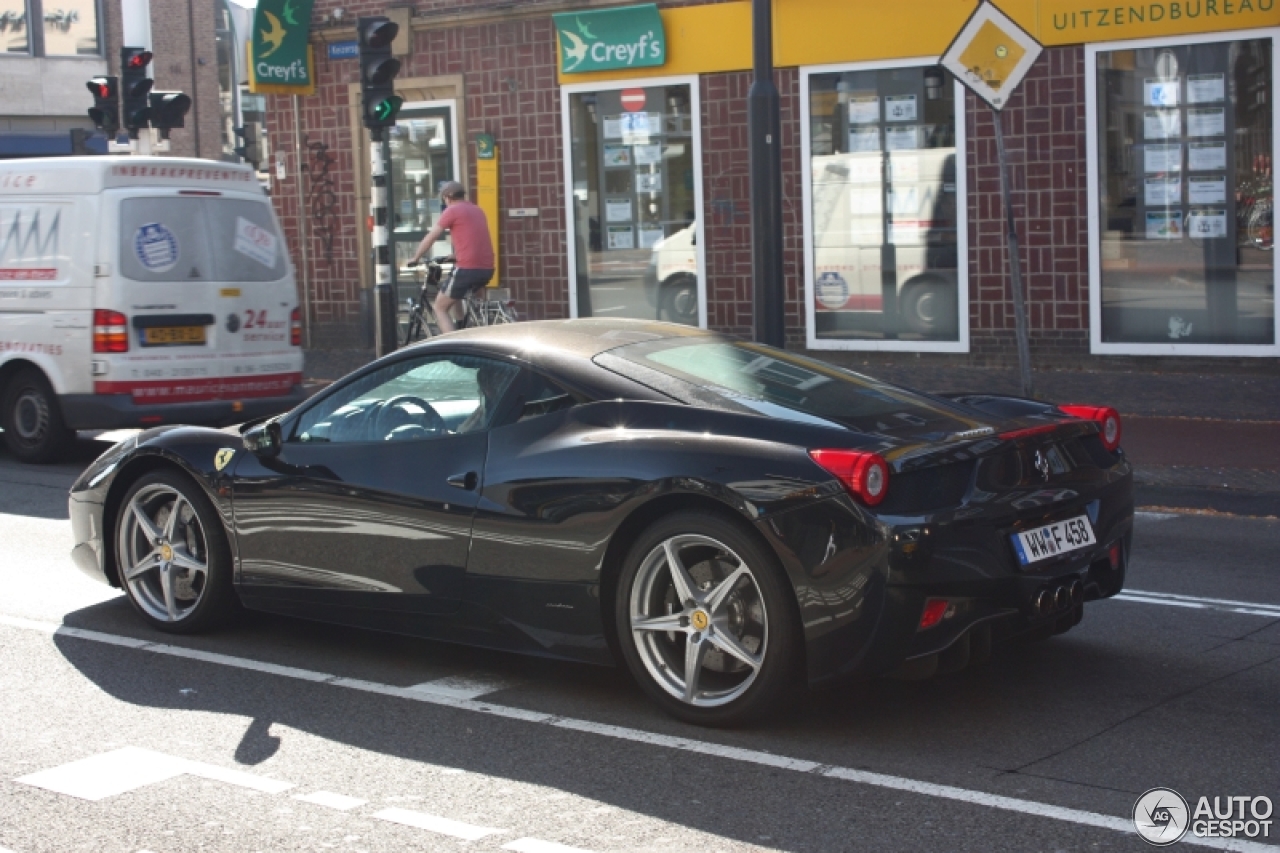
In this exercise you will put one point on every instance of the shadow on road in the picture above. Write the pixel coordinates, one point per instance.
(40, 491)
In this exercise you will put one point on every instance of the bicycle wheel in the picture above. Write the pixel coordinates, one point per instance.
(504, 314)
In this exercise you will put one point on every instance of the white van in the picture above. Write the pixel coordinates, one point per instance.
(137, 291)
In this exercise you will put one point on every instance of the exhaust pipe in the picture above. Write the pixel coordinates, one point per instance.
(1077, 592)
(1042, 603)
(1061, 598)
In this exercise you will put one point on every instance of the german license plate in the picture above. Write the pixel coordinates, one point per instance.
(1061, 537)
(160, 336)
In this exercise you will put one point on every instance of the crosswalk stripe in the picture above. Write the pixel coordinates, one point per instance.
(330, 800)
(437, 824)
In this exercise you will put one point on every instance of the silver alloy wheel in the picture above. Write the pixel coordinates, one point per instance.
(164, 556)
(31, 416)
(698, 620)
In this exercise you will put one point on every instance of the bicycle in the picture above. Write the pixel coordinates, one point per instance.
(480, 308)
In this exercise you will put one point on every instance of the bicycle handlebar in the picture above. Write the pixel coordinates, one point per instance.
(442, 259)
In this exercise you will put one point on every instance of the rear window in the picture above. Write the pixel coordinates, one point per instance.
(192, 238)
(747, 377)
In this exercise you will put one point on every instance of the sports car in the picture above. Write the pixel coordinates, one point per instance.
(725, 519)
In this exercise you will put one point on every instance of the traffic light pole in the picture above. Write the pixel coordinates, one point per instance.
(764, 125)
(384, 298)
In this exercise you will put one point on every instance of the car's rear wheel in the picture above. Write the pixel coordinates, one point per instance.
(705, 620)
(172, 555)
(928, 307)
(679, 300)
(33, 427)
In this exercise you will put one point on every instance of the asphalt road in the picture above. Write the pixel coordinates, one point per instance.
(283, 735)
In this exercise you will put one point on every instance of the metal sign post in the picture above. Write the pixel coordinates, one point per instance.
(991, 55)
(384, 300)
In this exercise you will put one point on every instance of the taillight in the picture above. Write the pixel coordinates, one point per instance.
(295, 327)
(1108, 422)
(110, 331)
(935, 610)
(1016, 434)
(864, 474)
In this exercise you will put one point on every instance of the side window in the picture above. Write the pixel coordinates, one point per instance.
(246, 243)
(164, 238)
(542, 396)
(424, 398)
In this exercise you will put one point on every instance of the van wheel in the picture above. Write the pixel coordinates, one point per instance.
(679, 300)
(929, 308)
(33, 427)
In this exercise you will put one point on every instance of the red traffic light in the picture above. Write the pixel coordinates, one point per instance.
(99, 88)
(141, 59)
(379, 34)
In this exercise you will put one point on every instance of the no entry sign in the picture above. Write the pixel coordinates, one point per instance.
(633, 100)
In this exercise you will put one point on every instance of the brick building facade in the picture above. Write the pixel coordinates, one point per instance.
(498, 68)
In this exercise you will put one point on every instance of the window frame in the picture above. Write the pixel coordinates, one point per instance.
(1096, 345)
(35, 35)
(812, 341)
(566, 133)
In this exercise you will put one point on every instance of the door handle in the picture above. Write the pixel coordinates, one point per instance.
(466, 482)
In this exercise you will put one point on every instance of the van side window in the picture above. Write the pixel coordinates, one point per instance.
(163, 238)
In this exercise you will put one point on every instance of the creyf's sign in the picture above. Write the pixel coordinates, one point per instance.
(630, 37)
(279, 53)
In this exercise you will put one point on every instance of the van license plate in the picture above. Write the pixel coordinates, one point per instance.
(1053, 539)
(160, 336)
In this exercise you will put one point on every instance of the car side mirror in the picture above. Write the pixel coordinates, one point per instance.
(263, 439)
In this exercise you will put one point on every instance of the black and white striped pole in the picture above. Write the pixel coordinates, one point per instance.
(384, 298)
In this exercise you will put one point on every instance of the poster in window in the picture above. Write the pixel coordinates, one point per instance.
(1160, 93)
(1207, 189)
(864, 139)
(650, 235)
(900, 108)
(648, 182)
(621, 237)
(1206, 88)
(613, 128)
(1207, 224)
(1161, 158)
(1161, 192)
(617, 155)
(1206, 156)
(1164, 224)
(1162, 124)
(617, 210)
(864, 109)
(648, 155)
(900, 138)
(1210, 121)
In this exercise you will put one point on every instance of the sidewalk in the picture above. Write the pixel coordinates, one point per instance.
(1208, 442)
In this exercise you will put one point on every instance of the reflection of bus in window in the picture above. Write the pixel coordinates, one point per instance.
(899, 207)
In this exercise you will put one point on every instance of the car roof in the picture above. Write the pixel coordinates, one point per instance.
(583, 337)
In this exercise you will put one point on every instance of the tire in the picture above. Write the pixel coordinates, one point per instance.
(928, 308)
(678, 300)
(34, 429)
(748, 641)
(175, 568)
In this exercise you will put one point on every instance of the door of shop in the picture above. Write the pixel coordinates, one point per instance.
(423, 154)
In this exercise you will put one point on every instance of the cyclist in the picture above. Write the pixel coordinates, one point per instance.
(469, 231)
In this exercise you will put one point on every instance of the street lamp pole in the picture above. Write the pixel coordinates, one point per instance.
(765, 161)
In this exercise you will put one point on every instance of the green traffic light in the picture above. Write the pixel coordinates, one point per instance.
(386, 109)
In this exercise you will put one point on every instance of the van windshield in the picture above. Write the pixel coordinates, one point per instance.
(184, 238)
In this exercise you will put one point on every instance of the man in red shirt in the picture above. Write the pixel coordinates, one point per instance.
(472, 250)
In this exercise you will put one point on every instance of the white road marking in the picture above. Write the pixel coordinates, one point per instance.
(462, 687)
(1169, 599)
(537, 845)
(330, 800)
(746, 756)
(130, 768)
(434, 823)
(1146, 515)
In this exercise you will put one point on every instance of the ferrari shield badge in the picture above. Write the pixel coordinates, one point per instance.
(223, 457)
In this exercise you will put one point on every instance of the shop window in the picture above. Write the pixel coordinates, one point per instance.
(1181, 164)
(70, 27)
(422, 156)
(885, 232)
(634, 196)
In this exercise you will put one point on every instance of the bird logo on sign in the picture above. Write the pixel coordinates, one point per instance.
(273, 36)
(577, 51)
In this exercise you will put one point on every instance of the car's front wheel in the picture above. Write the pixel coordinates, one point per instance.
(706, 620)
(172, 555)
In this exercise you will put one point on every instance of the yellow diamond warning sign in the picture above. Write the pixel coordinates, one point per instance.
(991, 54)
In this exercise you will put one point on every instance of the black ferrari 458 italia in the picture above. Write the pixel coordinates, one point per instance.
(728, 519)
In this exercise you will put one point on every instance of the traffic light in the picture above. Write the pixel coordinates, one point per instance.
(251, 150)
(105, 111)
(378, 69)
(135, 87)
(168, 109)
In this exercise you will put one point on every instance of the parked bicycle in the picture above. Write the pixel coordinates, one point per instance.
(480, 308)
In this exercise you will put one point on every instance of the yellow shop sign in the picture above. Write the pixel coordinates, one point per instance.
(1077, 22)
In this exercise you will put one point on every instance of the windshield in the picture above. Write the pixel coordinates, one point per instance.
(745, 376)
